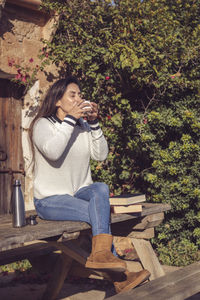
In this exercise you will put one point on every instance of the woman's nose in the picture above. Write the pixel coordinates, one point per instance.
(79, 99)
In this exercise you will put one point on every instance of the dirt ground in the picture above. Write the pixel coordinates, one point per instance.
(13, 287)
(79, 290)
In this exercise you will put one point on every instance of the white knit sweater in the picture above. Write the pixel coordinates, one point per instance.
(62, 154)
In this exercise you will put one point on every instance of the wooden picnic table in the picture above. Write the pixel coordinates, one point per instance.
(68, 237)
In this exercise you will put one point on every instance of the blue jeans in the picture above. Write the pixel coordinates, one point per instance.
(90, 204)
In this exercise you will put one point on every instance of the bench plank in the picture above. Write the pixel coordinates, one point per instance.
(177, 285)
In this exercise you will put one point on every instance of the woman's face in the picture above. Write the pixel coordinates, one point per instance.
(72, 95)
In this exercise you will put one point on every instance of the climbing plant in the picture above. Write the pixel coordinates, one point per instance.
(139, 60)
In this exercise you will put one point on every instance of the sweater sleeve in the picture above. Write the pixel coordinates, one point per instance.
(99, 145)
(52, 139)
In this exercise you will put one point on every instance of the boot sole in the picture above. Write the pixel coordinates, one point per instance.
(144, 276)
(107, 267)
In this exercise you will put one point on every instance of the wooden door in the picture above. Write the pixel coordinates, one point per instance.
(11, 157)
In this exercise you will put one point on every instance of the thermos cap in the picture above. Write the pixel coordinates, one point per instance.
(17, 182)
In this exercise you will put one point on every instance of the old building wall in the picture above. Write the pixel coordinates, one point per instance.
(22, 27)
(2, 3)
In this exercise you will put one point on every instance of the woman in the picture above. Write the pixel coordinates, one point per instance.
(63, 144)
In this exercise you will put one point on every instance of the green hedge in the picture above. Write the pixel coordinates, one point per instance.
(139, 60)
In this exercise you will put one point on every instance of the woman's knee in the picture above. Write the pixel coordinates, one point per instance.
(102, 188)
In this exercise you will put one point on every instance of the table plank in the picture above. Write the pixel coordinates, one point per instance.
(45, 229)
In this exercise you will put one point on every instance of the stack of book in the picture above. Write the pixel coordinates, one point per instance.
(127, 203)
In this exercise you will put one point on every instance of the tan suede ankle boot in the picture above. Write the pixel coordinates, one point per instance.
(129, 280)
(101, 257)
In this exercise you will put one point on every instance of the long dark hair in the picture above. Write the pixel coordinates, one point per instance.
(48, 106)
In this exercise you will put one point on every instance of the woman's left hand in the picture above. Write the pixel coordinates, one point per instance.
(93, 115)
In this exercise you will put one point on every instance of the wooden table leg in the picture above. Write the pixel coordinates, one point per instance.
(148, 258)
(62, 267)
(70, 252)
(72, 249)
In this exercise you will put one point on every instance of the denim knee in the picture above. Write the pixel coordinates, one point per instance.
(102, 188)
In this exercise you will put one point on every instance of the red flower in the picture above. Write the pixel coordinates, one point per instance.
(145, 121)
(107, 78)
(46, 54)
(11, 62)
(128, 250)
(108, 117)
(24, 79)
(31, 60)
(18, 76)
(111, 194)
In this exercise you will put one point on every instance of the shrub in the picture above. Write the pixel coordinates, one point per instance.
(178, 254)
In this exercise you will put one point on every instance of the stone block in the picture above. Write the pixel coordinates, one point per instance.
(31, 50)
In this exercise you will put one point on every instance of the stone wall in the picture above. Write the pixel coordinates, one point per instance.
(21, 31)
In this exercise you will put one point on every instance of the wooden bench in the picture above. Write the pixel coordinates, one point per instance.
(67, 239)
(178, 285)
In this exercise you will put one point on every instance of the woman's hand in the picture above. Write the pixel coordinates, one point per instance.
(79, 110)
(93, 114)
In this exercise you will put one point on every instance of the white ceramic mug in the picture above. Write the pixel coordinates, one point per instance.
(88, 106)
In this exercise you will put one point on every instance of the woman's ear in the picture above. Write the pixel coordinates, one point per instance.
(58, 103)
